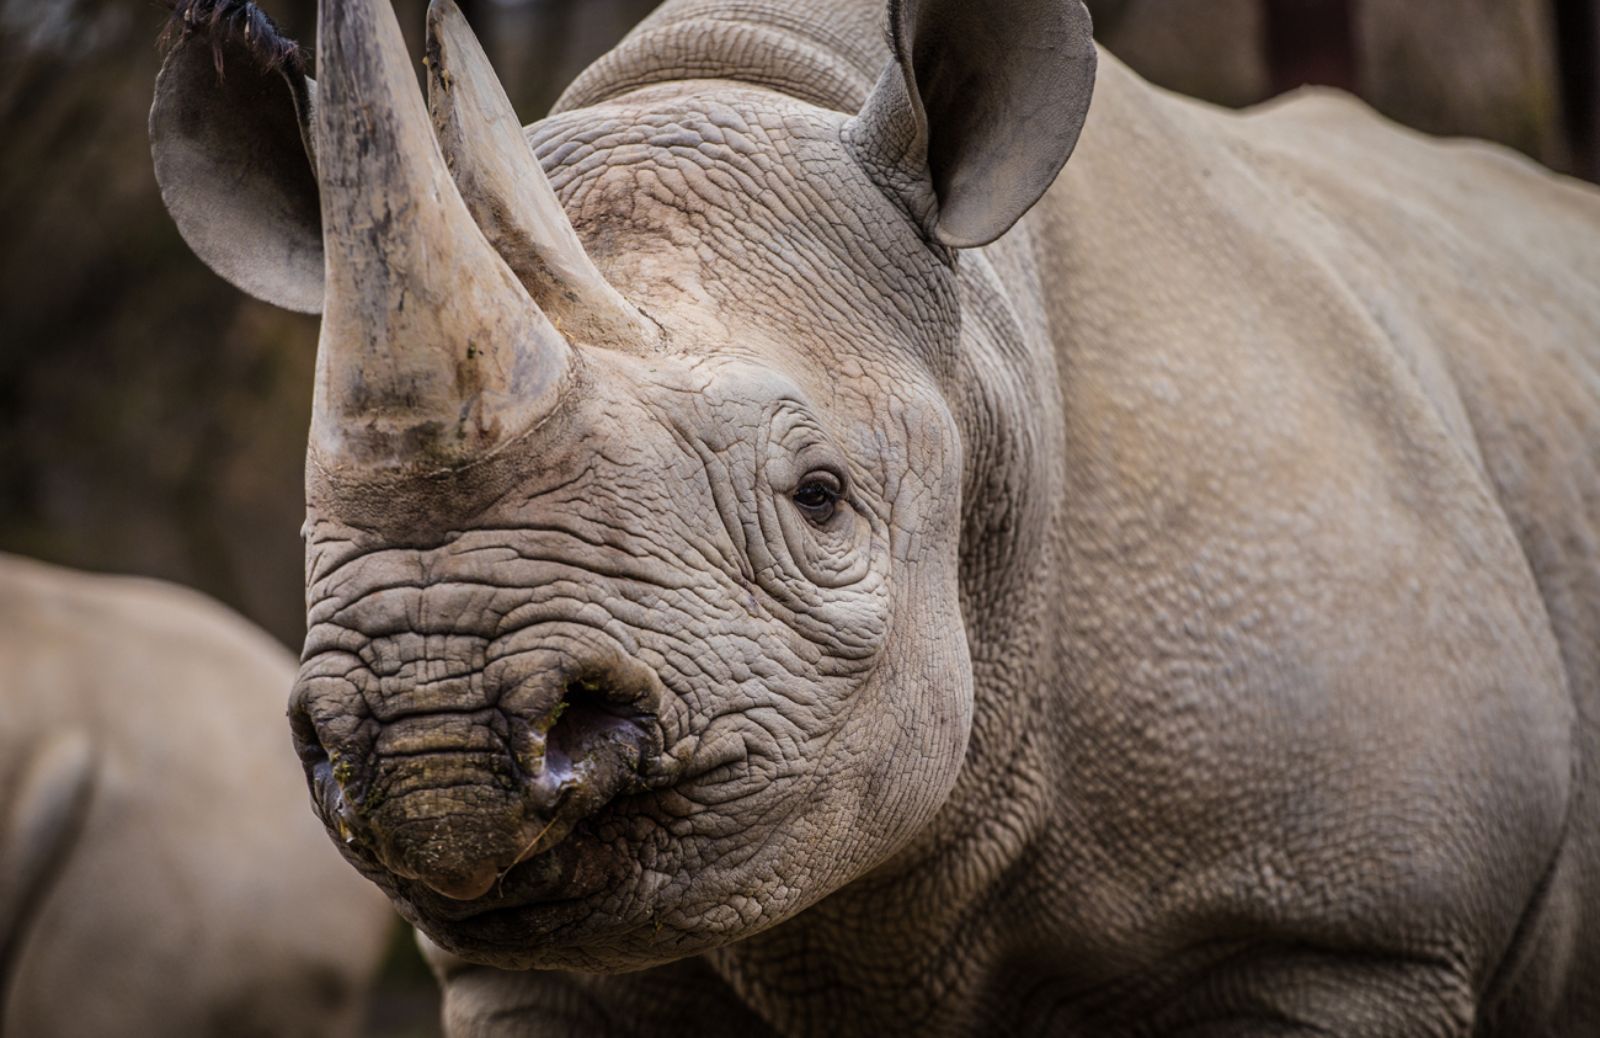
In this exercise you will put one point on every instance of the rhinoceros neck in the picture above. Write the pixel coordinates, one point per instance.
(826, 52)
(956, 943)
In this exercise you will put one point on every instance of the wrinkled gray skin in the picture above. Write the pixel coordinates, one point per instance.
(1206, 635)
(157, 875)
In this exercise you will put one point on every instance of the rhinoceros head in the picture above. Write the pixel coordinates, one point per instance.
(635, 494)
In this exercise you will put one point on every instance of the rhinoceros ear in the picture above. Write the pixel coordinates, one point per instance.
(229, 132)
(979, 110)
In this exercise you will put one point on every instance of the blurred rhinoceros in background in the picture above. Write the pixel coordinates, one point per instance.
(789, 552)
(159, 873)
(1514, 71)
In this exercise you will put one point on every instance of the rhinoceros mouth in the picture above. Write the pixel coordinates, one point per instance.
(567, 895)
(456, 800)
(546, 881)
(562, 863)
(501, 848)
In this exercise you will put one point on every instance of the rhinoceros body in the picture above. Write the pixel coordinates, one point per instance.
(157, 875)
(790, 544)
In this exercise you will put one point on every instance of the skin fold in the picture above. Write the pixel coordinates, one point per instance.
(1174, 612)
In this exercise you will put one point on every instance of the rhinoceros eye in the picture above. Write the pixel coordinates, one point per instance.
(817, 496)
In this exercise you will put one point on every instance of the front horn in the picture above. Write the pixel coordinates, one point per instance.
(432, 352)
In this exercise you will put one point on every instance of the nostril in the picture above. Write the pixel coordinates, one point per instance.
(594, 746)
(587, 719)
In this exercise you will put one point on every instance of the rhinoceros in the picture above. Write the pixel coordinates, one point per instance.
(157, 875)
(790, 553)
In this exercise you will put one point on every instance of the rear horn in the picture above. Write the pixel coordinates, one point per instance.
(505, 188)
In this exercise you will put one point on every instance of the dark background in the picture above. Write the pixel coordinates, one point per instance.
(153, 419)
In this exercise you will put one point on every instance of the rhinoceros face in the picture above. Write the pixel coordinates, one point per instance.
(633, 610)
(696, 664)
(682, 653)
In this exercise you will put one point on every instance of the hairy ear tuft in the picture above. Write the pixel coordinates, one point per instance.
(238, 23)
(230, 137)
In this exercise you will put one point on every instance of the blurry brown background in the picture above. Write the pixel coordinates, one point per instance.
(152, 419)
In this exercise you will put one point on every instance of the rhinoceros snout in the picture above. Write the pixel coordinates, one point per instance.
(454, 799)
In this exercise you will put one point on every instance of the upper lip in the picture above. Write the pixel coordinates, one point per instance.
(449, 910)
(516, 888)
(650, 707)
